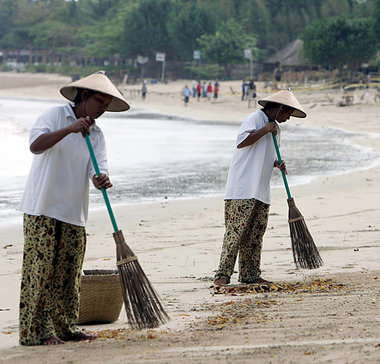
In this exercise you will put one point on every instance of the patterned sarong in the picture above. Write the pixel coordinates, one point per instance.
(246, 222)
(50, 285)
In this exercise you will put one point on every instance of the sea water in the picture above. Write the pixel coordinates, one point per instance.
(155, 157)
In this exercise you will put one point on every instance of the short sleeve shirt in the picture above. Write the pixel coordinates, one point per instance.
(251, 167)
(58, 182)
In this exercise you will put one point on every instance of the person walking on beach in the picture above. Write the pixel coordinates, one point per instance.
(252, 88)
(186, 93)
(143, 90)
(194, 87)
(199, 90)
(55, 206)
(204, 89)
(216, 90)
(243, 90)
(209, 91)
(247, 197)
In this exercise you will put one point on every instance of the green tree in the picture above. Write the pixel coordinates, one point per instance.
(256, 20)
(227, 45)
(145, 29)
(51, 36)
(339, 41)
(376, 22)
(30, 14)
(93, 30)
(186, 24)
(8, 14)
(101, 40)
(99, 37)
(335, 7)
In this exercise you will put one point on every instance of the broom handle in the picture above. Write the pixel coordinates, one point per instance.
(97, 170)
(280, 161)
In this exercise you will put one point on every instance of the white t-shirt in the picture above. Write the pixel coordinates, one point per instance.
(58, 182)
(251, 167)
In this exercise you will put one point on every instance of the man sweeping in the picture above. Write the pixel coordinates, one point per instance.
(247, 197)
(55, 206)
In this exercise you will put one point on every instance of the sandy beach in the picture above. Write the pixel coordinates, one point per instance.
(326, 315)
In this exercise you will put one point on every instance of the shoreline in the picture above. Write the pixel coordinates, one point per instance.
(361, 141)
(178, 244)
(305, 180)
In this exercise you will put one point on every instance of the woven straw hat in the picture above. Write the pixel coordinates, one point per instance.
(97, 82)
(287, 98)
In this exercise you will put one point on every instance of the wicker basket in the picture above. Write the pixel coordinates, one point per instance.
(101, 298)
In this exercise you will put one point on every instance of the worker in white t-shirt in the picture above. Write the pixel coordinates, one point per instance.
(55, 206)
(247, 197)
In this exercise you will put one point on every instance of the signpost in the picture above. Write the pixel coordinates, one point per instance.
(160, 57)
(197, 55)
(248, 55)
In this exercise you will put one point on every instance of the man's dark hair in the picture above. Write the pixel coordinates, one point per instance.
(78, 96)
(274, 105)
(270, 105)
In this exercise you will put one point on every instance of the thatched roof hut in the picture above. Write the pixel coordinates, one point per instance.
(288, 57)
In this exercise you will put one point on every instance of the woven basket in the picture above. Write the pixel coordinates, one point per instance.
(101, 298)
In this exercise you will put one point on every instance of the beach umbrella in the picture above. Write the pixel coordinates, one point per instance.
(141, 301)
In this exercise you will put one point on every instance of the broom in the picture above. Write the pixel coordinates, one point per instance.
(141, 301)
(305, 253)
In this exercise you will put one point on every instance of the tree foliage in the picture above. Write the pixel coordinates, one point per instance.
(8, 13)
(88, 30)
(187, 23)
(227, 44)
(145, 28)
(339, 41)
(376, 22)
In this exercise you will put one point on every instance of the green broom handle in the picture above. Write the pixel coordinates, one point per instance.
(280, 161)
(97, 170)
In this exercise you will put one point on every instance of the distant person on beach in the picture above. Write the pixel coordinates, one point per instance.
(247, 197)
(252, 88)
(199, 90)
(243, 90)
(204, 89)
(216, 91)
(186, 93)
(209, 91)
(55, 206)
(277, 74)
(194, 87)
(143, 90)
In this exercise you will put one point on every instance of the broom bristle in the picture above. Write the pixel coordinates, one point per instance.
(141, 302)
(305, 252)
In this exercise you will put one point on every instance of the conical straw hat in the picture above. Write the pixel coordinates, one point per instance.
(287, 98)
(97, 82)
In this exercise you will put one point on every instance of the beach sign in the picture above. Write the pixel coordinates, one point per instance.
(160, 57)
(197, 54)
(248, 53)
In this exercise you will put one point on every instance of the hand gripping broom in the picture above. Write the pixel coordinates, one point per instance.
(305, 253)
(141, 301)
